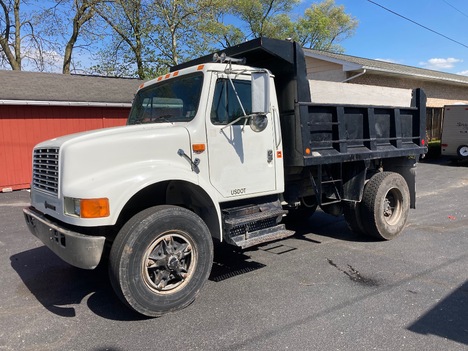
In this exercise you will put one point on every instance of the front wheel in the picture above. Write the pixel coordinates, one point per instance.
(160, 260)
(385, 205)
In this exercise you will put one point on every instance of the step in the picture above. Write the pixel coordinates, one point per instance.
(253, 217)
(261, 236)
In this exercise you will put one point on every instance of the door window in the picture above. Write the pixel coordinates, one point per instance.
(226, 107)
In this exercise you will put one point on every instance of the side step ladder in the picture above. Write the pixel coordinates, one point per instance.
(325, 179)
(251, 225)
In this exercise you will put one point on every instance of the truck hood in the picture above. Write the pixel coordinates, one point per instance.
(102, 133)
(90, 157)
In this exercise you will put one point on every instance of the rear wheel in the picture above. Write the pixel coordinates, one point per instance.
(385, 205)
(160, 260)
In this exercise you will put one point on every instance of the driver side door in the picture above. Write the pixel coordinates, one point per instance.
(242, 162)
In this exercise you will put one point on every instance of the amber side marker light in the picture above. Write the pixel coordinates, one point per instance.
(95, 208)
(198, 148)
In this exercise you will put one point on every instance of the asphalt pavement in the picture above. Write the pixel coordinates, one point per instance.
(323, 289)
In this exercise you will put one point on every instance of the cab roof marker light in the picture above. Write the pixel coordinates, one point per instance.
(200, 67)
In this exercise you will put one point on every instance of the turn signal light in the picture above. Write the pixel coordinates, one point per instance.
(95, 208)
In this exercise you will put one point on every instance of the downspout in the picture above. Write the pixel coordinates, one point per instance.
(357, 75)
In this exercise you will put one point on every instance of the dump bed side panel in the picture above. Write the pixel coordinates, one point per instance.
(341, 133)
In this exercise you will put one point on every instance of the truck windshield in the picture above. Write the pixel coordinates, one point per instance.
(173, 100)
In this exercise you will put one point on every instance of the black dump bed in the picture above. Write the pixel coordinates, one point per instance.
(316, 134)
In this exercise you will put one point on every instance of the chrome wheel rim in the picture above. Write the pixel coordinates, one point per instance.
(169, 262)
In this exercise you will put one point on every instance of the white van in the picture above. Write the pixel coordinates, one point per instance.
(455, 131)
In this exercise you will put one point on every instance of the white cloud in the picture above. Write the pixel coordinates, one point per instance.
(463, 73)
(440, 63)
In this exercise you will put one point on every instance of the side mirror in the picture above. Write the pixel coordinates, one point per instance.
(258, 122)
(260, 93)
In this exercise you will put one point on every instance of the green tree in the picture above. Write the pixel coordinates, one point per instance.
(323, 26)
(181, 28)
(153, 35)
(262, 16)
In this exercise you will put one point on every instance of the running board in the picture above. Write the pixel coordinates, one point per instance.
(250, 225)
(261, 236)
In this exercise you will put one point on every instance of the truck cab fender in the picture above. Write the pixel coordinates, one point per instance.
(150, 183)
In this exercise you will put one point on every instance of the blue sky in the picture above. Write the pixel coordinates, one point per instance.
(383, 35)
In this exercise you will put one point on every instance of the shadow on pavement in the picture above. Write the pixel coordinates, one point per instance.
(230, 261)
(59, 286)
(323, 224)
(448, 319)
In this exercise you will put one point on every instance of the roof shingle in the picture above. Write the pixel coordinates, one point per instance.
(38, 86)
(387, 67)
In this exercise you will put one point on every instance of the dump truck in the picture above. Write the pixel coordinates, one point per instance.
(220, 149)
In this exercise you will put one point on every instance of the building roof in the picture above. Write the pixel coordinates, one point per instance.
(353, 63)
(38, 88)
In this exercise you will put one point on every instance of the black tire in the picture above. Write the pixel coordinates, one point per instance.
(462, 151)
(385, 205)
(160, 260)
(352, 215)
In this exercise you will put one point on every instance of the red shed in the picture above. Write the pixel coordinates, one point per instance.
(38, 106)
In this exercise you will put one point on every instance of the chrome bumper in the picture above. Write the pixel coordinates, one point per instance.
(79, 250)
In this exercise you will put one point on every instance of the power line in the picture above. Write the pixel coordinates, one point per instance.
(418, 24)
(464, 14)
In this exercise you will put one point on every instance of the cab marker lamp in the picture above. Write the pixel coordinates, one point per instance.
(198, 148)
(87, 208)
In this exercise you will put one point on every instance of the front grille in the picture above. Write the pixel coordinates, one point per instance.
(46, 169)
